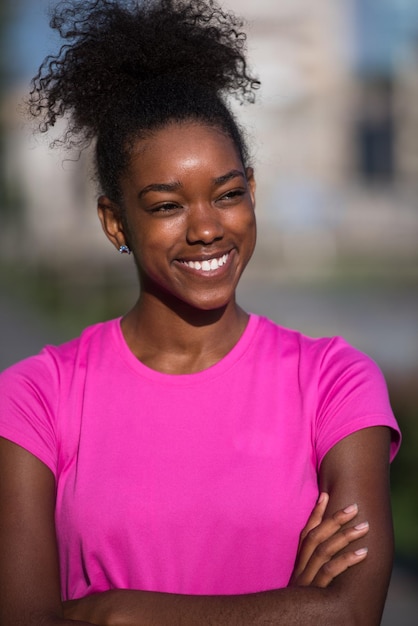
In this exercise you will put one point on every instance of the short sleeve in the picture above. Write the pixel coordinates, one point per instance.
(28, 400)
(352, 395)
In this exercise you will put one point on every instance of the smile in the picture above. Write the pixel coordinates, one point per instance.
(208, 264)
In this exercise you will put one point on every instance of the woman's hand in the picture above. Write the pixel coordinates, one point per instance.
(320, 558)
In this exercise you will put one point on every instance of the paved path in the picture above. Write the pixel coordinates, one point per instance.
(22, 334)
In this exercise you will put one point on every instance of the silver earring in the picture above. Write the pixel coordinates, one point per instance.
(124, 249)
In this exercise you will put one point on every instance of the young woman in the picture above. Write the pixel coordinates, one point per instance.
(188, 463)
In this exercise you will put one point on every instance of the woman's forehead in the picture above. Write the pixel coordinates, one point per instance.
(184, 146)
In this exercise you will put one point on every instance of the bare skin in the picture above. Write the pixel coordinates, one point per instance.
(185, 206)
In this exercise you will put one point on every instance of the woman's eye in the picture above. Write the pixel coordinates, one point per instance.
(167, 207)
(230, 196)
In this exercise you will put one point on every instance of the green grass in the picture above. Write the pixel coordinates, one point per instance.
(404, 475)
(70, 301)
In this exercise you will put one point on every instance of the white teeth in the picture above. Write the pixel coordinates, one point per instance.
(206, 266)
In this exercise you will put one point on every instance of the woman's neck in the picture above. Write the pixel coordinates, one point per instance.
(181, 340)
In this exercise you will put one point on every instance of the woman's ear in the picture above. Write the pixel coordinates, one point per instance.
(110, 219)
(249, 172)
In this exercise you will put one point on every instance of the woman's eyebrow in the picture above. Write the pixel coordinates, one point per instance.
(220, 180)
(175, 186)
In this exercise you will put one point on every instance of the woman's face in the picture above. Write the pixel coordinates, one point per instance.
(189, 211)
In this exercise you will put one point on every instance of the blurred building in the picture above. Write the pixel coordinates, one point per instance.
(335, 112)
(52, 193)
(406, 116)
(300, 50)
(298, 129)
(385, 63)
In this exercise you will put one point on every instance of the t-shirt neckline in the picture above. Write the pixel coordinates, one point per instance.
(232, 357)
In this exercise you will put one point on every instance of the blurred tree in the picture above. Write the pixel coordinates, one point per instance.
(9, 9)
(5, 10)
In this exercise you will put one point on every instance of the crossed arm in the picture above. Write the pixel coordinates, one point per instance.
(324, 588)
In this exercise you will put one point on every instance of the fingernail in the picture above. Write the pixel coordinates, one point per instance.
(361, 552)
(322, 497)
(351, 508)
(361, 526)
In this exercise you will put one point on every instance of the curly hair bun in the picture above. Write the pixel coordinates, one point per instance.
(114, 51)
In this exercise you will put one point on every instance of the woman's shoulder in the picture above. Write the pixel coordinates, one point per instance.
(345, 387)
(306, 345)
(323, 362)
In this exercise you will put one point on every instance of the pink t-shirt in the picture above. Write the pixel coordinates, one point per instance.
(194, 484)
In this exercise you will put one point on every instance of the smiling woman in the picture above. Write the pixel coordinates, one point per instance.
(190, 462)
(189, 220)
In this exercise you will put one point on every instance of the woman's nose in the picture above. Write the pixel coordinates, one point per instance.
(204, 225)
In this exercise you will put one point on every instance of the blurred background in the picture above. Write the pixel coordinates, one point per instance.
(334, 137)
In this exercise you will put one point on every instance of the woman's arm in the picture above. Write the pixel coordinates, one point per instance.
(319, 562)
(358, 468)
(29, 573)
(355, 470)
